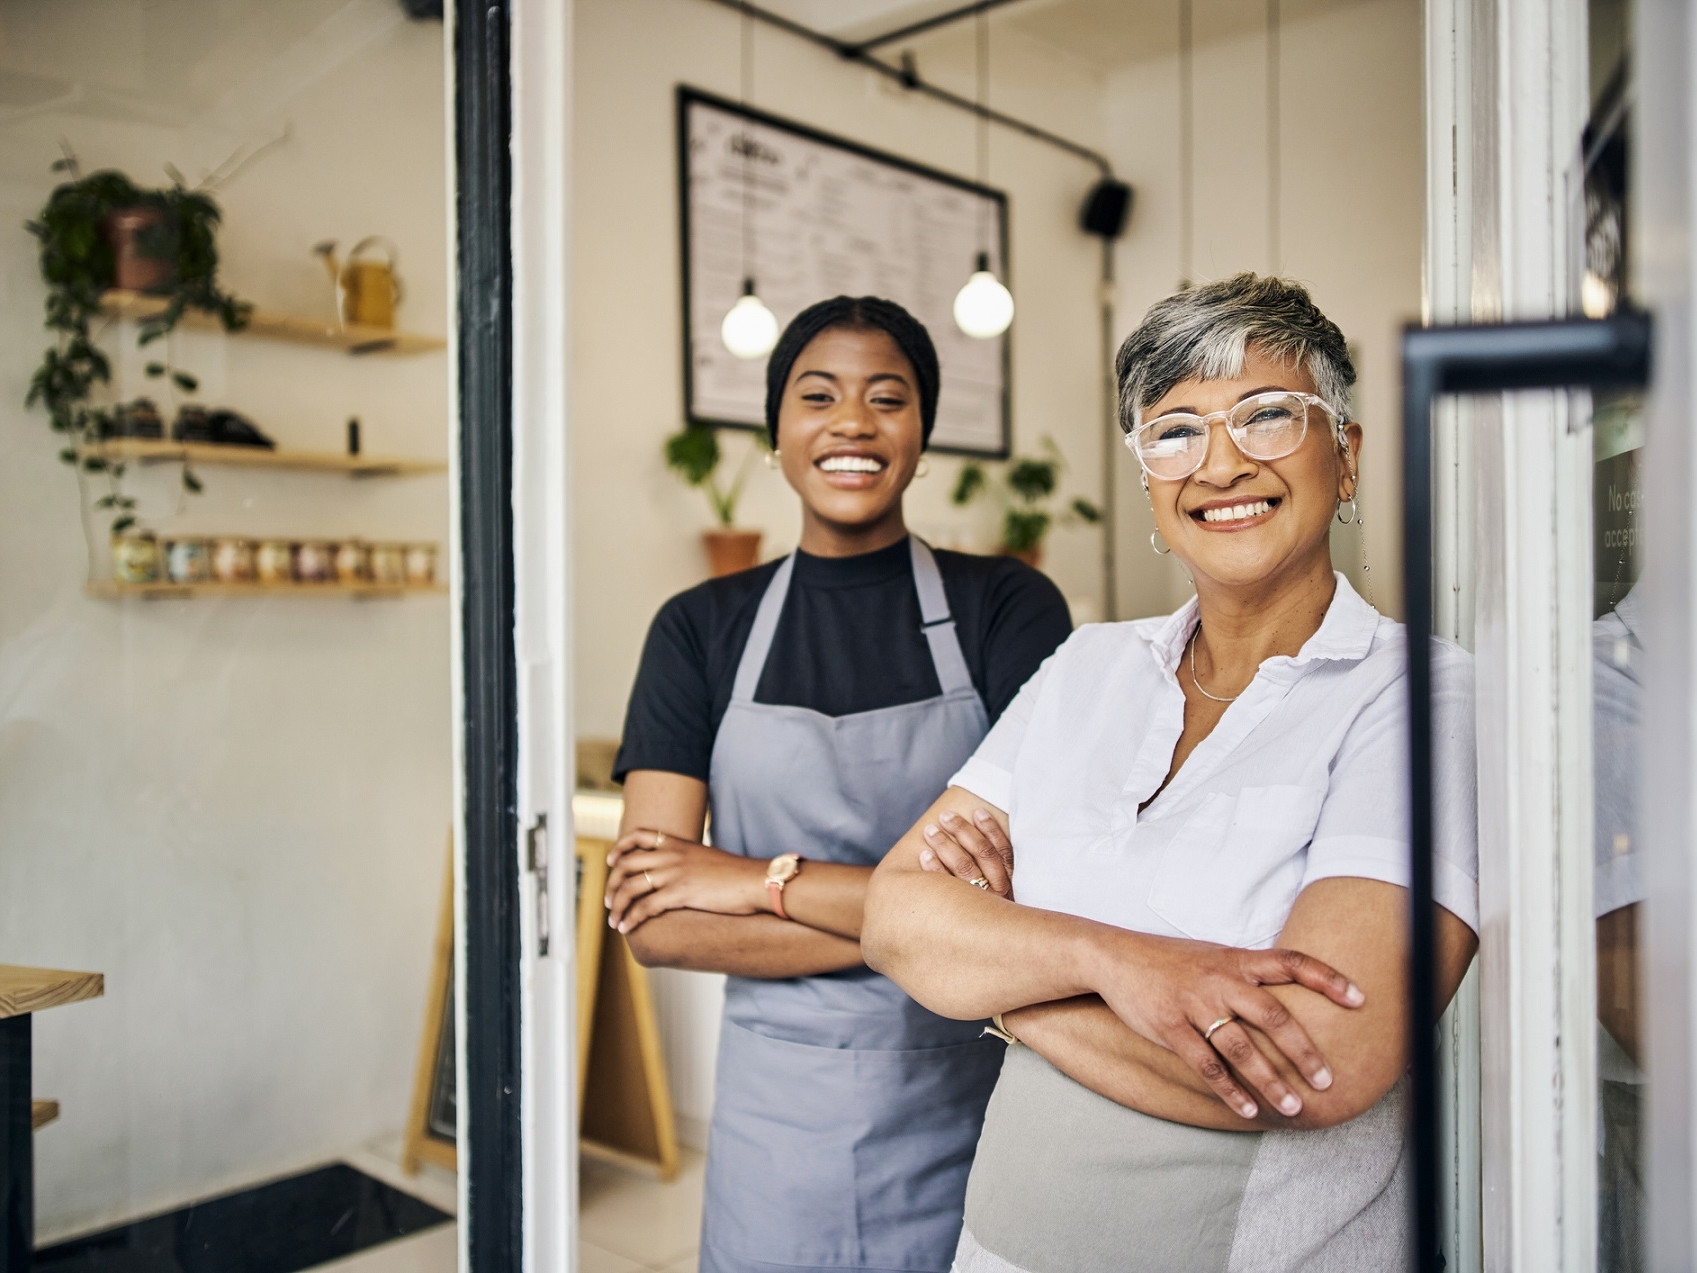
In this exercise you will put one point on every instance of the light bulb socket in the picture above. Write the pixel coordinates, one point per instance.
(983, 262)
(748, 287)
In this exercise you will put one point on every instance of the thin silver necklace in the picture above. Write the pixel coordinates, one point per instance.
(1197, 683)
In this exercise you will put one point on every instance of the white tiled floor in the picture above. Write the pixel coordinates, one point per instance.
(628, 1221)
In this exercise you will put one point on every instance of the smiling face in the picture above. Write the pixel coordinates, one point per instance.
(849, 438)
(1252, 524)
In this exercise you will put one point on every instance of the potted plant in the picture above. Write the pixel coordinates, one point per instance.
(694, 454)
(97, 232)
(1028, 485)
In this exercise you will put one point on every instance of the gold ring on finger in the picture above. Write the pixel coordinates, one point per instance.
(1208, 1034)
(980, 882)
(652, 886)
(659, 839)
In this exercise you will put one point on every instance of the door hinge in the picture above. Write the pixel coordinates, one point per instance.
(536, 857)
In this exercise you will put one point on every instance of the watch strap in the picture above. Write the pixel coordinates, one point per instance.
(775, 891)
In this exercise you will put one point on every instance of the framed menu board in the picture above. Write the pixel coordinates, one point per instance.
(811, 216)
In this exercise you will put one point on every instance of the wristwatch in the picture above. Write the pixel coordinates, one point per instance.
(779, 872)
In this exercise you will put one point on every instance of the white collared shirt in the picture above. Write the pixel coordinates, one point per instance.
(1305, 777)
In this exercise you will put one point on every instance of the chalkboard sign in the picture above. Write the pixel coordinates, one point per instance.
(811, 216)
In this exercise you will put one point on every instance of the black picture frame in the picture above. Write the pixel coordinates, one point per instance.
(688, 96)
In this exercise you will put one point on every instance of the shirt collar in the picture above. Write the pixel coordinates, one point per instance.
(1345, 634)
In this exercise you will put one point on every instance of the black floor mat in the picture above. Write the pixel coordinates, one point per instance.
(280, 1227)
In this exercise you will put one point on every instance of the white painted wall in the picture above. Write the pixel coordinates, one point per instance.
(1351, 207)
(236, 809)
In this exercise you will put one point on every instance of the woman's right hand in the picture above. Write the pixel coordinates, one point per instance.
(1171, 991)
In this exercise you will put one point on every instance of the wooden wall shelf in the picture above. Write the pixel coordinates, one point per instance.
(112, 588)
(159, 451)
(353, 339)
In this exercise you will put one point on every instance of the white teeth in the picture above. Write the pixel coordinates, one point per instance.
(851, 464)
(1237, 512)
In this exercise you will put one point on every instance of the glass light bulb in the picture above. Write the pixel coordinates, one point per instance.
(750, 329)
(983, 308)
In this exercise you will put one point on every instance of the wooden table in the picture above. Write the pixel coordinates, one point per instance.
(24, 991)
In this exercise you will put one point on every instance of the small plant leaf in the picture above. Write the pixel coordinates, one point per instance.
(156, 369)
(1085, 511)
(968, 484)
(191, 483)
(93, 464)
(1032, 480)
(123, 524)
(693, 453)
(184, 381)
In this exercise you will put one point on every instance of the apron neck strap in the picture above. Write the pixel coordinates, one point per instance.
(939, 628)
(760, 637)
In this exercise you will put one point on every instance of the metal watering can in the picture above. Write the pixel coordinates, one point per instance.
(367, 289)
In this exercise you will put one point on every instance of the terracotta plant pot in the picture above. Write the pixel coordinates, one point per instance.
(137, 265)
(729, 551)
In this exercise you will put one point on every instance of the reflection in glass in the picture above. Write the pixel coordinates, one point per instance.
(1617, 659)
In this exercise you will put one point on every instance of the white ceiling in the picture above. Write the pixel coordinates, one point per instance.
(1105, 34)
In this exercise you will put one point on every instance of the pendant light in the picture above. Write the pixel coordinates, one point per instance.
(984, 307)
(749, 329)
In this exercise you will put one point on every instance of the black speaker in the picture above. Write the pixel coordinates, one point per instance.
(1106, 208)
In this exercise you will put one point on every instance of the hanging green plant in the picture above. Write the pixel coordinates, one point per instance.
(101, 231)
(1028, 484)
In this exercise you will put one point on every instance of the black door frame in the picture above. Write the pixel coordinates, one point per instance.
(1484, 358)
(490, 1151)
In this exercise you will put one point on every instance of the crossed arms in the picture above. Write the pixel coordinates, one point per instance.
(1124, 1013)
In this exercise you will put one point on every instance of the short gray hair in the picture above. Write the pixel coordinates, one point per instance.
(1203, 333)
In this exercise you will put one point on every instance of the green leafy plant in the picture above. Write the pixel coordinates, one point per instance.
(78, 264)
(1028, 484)
(694, 454)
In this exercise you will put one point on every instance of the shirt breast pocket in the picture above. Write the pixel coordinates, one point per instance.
(1232, 872)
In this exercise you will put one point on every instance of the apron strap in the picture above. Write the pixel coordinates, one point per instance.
(760, 636)
(939, 629)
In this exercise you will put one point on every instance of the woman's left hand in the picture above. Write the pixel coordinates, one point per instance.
(652, 872)
(975, 850)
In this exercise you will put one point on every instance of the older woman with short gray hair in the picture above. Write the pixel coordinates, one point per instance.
(1198, 967)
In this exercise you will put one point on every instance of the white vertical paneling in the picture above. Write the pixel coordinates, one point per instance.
(541, 47)
(1509, 76)
(1448, 264)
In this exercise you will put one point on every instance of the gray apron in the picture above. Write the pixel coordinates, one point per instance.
(846, 1115)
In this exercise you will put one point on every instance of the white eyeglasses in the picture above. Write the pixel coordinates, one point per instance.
(1268, 426)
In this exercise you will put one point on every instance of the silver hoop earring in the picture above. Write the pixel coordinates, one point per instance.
(923, 468)
(1159, 544)
(1354, 512)
(772, 459)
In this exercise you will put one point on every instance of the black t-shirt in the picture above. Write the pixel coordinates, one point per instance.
(849, 640)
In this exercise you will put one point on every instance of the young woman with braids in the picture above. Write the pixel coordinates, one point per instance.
(817, 705)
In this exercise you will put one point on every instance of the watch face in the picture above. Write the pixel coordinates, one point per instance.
(783, 868)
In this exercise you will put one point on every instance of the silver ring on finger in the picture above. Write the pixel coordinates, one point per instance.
(980, 882)
(659, 840)
(1208, 1034)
